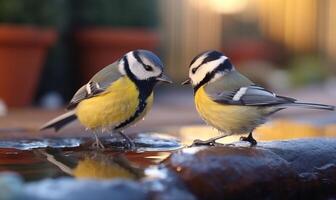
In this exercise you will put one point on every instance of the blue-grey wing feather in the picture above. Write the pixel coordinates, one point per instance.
(97, 84)
(249, 96)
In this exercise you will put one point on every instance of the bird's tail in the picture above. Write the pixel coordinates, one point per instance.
(312, 106)
(60, 121)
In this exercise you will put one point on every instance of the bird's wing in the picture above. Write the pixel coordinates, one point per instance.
(97, 85)
(252, 95)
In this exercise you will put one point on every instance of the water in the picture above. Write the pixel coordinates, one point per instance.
(36, 159)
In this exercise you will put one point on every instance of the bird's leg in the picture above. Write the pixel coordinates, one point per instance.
(97, 144)
(249, 139)
(209, 142)
(130, 144)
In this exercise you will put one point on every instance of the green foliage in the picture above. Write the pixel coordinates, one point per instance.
(307, 70)
(134, 13)
(33, 12)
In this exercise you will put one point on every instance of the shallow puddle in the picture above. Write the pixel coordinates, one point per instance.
(37, 159)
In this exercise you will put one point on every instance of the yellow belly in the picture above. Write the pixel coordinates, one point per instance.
(113, 107)
(229, 119)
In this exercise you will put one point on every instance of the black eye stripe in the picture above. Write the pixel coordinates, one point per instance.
(214, 55)
(148, 68)
(211, 56)
(137, 57)
(194, 60)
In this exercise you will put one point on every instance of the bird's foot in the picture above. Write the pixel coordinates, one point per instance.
(249, 139)
(98, 145)
(129, 144)
(204, 143)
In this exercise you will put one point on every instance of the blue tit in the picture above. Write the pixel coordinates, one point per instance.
(117, 96)
(229, 101)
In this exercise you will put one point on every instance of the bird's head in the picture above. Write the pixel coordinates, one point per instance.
(207, 67)
(142, 65)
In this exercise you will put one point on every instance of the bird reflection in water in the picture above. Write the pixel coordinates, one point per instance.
(94, 165)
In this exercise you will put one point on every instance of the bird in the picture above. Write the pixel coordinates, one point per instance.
(116, 97)
(230, 102)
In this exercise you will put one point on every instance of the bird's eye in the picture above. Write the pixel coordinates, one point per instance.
(194, 70)
(148, 68)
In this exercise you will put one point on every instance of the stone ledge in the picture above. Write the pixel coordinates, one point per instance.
(295, 169)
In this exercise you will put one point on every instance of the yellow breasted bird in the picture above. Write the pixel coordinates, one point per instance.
(116, 97)
(229, 101)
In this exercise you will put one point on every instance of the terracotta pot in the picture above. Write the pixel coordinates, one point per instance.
(22, 53)
(99, 47)
(253, 49)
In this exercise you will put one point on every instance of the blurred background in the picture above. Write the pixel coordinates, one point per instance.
(48, 48)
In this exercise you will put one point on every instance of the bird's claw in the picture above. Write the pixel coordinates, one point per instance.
(98, 145)
(129, 145)
(203, 143)
(251, 140)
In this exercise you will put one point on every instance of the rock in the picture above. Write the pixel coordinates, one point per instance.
(304, 155)
(10, 186)
(320, 184)
(234, 173)
(159, 184)
(29, 144)
(143, 142)
(295, 169)
(163, 184)
(72, 189)
(314, 161)
(304, 168)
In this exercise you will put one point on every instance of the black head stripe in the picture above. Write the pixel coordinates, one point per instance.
(206, 79)
(137, 57)
(127, 69)
(197, 57)
(211, 56)
(145, 88)
(224, 66)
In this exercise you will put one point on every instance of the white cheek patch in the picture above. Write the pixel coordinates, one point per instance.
(121, 67)
(204, 69)
(139, 71)
(198, 61)
(156, 70)
(135, 67)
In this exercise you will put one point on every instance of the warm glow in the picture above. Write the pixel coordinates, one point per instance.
(228, 6)
(202, 132)
(283, 129)
(277, 130)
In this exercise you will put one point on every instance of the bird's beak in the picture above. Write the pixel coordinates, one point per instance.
(186, 82)
(164, 78)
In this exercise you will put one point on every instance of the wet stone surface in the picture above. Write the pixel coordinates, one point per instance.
(304, 155)
(83, 172)
(161, 168)
(234, 172)
(273, 170)
(36, 159)
(142, 141)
